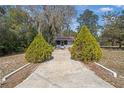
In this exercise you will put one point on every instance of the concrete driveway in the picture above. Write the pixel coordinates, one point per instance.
(62, 72)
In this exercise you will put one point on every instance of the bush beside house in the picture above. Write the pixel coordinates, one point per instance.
(39, 50)
(85, 47)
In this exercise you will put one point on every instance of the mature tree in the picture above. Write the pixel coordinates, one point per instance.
(50, 20)
(19, 24)
(113, 29)
(34, 11)
(16, 32)
(53, 20)
(23, 23)
(90, 19)
(2, 11)
(120, 24)
(69, 33)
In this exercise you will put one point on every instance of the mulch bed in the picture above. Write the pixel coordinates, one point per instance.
(117, 82)
(18, 77)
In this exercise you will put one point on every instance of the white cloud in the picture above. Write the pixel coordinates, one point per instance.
(120, 6)
(105, 9)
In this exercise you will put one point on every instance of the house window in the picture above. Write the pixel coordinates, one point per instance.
(65, 42)
(58, 42)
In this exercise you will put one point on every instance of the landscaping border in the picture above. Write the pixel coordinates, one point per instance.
(5, 77)
(108, 70)
(16, 78)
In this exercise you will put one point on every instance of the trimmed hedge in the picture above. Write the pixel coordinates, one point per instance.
(39, 50)
(85, 47)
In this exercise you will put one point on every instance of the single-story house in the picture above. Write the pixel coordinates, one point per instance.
(62, 41)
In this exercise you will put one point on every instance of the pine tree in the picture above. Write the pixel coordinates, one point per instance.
(85, 47)
(39, 50)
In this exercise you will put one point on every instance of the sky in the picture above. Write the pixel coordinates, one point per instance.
(97, 9)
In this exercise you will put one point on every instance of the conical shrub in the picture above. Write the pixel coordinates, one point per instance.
(85, 47)
(39, 50)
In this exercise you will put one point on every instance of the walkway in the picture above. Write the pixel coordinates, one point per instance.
(63, 72)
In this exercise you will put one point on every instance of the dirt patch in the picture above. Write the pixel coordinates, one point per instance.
(18, 77)
(11, 63)
(114, 60)
(117, 82)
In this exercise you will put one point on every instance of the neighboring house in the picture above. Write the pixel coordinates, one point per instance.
(63, 42)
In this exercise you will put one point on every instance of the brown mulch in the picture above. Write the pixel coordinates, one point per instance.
(19, 76)
(117, 82)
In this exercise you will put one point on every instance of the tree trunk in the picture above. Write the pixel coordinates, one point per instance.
(120, 42)
(39, 28)
(112, 43)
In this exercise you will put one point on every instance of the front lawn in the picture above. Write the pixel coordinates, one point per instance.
(11, 63)
(114, 60)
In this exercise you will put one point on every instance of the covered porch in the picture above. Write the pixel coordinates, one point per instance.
(63, 41)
